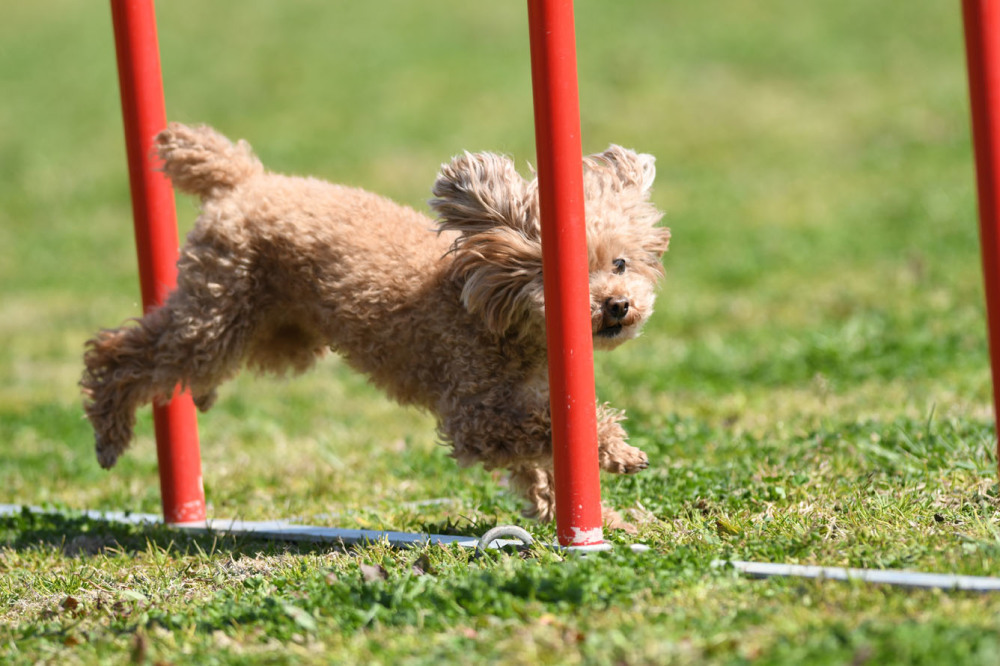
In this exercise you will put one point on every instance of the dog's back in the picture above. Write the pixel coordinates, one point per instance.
(315, 264)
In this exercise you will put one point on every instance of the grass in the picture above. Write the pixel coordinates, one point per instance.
(813, 389)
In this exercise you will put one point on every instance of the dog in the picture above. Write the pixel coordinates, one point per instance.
(448, 317)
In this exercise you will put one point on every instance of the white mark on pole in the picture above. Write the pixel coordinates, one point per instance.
(586, 537)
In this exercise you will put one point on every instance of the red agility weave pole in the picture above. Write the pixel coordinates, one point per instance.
(566, 272)
(155, 219)
(982, 48)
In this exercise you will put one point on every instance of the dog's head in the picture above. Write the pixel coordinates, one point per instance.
(498, 254)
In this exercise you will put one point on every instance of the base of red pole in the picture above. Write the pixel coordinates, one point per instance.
(179, 457)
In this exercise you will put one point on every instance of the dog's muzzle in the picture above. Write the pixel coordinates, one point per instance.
(613, 314)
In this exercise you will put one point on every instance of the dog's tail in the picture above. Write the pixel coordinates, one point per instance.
(201, 161)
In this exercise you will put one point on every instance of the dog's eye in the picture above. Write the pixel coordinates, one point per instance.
(619, 265)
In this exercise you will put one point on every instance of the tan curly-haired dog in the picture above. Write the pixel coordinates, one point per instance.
(278, 269)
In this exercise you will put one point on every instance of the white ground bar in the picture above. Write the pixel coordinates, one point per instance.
(896, 577)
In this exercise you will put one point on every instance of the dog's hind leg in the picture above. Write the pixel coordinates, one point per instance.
(131, 366)
(537, 486)
(119, 377)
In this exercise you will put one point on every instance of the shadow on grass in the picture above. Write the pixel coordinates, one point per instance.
(81, 536)
(469, 527)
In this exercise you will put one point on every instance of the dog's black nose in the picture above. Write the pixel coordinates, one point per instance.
(616, 307)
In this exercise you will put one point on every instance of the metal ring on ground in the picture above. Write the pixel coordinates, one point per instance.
(501, 531)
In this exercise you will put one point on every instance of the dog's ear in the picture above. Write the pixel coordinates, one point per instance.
(657, 242)
(619, 169)
(480, 191)
(498, 254)
(501, 275)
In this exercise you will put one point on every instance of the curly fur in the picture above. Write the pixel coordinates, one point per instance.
(449, 318)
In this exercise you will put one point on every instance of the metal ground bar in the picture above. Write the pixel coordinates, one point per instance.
(896, 577)
(287, 531)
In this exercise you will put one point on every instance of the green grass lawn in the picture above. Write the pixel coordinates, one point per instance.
(813, 389)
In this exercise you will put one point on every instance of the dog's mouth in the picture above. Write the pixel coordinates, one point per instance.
(610, 331)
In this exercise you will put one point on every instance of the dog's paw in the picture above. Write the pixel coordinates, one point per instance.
(205, 401)
(614, 521)
(107, 454)
(624, 459)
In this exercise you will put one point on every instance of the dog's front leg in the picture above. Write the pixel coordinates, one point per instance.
(614, 454)
(537, 485)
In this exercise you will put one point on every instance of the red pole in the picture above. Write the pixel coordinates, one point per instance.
(982, 49)
(155, 219)
(566, 270)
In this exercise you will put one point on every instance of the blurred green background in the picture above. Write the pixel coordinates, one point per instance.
(814, 164)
